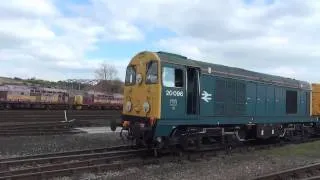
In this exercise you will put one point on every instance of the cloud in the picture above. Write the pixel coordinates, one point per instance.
(54, 39)
(280, 38)
(14, 8)
(43, 39)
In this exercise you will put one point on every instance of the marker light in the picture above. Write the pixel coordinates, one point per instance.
(146, 107)
(128, 106)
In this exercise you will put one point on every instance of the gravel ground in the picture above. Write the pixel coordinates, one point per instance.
(236, 166)
(29, 145)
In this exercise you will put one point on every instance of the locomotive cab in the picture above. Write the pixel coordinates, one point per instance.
(142, 92)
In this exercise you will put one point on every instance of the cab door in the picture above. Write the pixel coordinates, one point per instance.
(173, 104)
(193, 92)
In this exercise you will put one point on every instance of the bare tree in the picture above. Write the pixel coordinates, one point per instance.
(106, 72)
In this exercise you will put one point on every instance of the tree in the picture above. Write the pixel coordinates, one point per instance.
(117, 86)
(106, 72)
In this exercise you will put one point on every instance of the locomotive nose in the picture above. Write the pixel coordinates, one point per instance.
(142, 95)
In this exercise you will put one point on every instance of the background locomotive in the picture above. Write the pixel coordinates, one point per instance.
(172, 100)
(25, 97)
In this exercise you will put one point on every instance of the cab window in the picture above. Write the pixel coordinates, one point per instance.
(152, 72)
(130, 75)
(172, 77)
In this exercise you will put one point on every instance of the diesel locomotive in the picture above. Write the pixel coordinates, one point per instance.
(30, 97)
(172, 100)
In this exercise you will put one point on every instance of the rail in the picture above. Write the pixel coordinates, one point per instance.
(77, 117)
(66, 153)
(306, 172)
(68, 163)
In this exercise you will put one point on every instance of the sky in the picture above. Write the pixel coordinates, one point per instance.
(59, 39)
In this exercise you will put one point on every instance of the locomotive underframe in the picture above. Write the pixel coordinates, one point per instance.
(193, 137)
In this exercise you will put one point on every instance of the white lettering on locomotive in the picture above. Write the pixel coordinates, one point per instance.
(174, 93)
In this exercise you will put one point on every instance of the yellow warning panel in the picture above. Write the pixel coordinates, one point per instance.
(316, 87)
(315, 99)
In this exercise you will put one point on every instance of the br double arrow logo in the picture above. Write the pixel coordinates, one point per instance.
(206, 96)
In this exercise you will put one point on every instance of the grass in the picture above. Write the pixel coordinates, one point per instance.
(311, 149)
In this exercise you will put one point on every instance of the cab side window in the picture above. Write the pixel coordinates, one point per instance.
(172, 77)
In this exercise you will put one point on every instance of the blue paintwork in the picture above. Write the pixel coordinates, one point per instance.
(258, 102)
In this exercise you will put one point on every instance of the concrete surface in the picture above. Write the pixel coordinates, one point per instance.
(95, 130)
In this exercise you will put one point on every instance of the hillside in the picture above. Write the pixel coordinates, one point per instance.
(6, 80)
(115, 86)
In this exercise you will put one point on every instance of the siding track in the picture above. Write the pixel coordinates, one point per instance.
(306, 172)
(69, 163)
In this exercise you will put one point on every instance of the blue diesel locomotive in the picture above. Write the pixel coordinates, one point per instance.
(170, 100)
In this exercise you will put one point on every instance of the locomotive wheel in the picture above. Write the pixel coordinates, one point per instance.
(189, 142)
(242, 134)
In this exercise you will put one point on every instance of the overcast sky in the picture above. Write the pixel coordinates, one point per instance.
(62, 39)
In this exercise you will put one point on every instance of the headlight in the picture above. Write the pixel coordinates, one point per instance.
(139, 78)
(128, 106)
(146, 107)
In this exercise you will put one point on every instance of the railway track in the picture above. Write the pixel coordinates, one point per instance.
(69, 163)
(34, 129)
(52, 122)
(36, 125)
(81, 117)
(101, 159)
(40, 133)
(67, 153)
(310, 172)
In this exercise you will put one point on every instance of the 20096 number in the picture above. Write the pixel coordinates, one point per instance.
(174, 93)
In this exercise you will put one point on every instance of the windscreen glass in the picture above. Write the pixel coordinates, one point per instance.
(152, 73)
(130, 75)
